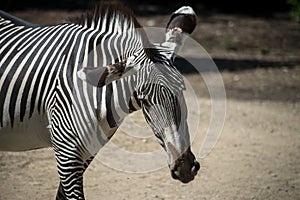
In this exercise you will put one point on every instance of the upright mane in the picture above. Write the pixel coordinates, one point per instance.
(109, 12)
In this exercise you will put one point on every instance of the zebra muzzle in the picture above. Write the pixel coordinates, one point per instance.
(185, 168)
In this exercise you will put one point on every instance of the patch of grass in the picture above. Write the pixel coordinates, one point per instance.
(263, 49)
(227, 43)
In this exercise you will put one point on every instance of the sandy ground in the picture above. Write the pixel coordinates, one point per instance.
(256, 157)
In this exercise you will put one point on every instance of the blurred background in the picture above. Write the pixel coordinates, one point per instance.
(238, 35)
(230, 6)
(256, 47)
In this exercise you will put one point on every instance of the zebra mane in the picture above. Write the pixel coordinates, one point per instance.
(107, 11)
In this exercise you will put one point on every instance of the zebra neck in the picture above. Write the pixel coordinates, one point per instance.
(118, 100)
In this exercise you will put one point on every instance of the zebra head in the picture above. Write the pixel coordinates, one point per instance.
(160, 89)
(160, 92)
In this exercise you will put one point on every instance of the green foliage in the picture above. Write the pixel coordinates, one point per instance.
(263, 49)
(226, 42)
(295, 9)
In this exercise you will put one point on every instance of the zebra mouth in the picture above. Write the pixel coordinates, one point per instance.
(185, 167)
(185, 174)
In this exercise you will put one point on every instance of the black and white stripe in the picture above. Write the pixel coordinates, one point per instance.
(38, 80)
(38, 66)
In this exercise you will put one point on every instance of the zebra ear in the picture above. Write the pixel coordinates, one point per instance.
(184, 18)
(101, 76)
(181, 23)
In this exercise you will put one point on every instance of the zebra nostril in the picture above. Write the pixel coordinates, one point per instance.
(174, 174)
(196, 166)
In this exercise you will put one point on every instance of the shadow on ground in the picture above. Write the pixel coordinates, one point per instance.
(195, 65)
(246, 80)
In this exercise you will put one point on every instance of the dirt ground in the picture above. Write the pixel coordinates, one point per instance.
(257, 155)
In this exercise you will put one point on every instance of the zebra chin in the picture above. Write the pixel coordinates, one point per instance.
(185, 167)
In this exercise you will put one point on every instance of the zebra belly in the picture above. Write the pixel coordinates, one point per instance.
(30, 134)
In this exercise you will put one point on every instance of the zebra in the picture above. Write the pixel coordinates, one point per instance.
(69, 86)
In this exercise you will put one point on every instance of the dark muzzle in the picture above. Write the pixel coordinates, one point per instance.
(185, 168)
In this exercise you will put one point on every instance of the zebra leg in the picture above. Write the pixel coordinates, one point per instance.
(60, 192)
(60, 195)
(70, 170)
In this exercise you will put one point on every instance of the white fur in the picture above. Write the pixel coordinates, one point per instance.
(81, 75)
(185, 10)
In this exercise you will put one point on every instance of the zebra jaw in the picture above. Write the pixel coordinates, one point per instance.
(101, 76)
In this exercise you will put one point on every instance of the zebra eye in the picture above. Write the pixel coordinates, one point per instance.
(145, 101)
